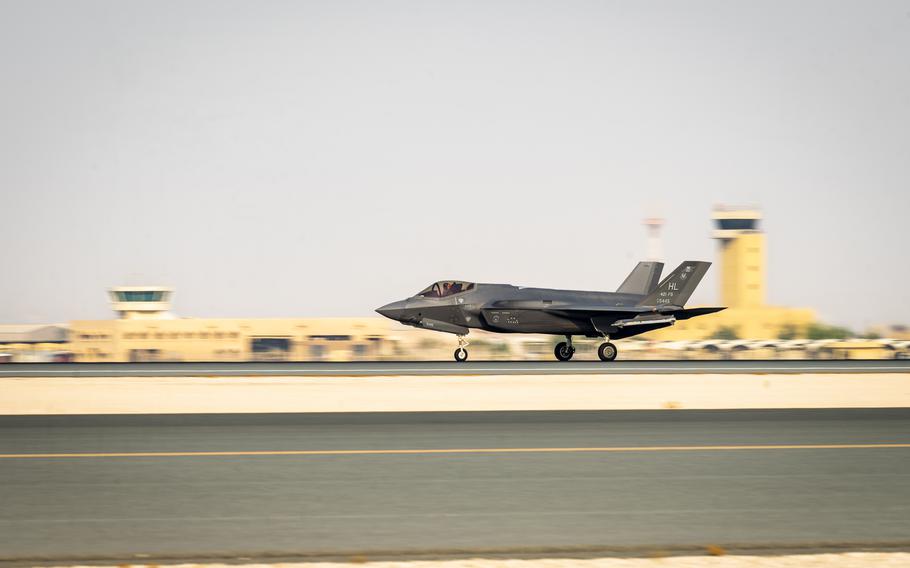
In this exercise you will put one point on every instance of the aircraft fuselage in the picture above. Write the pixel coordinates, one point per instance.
(504, 308)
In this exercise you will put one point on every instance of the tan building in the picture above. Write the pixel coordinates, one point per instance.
(147, 331)
(742, 275)
(190, 339)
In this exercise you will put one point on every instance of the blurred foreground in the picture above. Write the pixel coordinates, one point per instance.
(375, 339)
(479, 389)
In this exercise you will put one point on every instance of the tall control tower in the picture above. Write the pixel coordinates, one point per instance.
(141, 302)
(742, 256)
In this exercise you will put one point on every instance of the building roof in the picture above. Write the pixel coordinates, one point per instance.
(34, 333)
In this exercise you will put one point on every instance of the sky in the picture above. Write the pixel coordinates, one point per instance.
(295, 159)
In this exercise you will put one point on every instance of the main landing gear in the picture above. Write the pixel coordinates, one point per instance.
(606, 351)
(564, 349)
(461, 354)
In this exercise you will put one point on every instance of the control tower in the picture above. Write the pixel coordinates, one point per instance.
(141, 302)
(741, 255)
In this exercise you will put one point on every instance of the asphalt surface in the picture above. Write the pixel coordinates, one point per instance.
(390, 484)
(374, 368)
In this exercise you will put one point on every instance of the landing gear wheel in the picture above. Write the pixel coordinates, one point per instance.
(563, 352)
(461, 354)
(606, 351)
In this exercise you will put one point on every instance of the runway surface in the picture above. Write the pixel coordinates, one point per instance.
(375, 368)
(410, 484)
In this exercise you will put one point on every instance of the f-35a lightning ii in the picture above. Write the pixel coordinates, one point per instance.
(639, 305)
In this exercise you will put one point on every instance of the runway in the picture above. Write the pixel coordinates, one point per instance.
(451, 368)
(278, 486)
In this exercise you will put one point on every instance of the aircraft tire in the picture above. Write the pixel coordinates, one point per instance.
(461, 354)
(563, 352)
(607, 351)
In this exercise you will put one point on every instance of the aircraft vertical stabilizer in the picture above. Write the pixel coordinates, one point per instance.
(643, 279)
(676, 288)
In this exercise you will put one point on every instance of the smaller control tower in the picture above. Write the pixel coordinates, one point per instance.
(141, 302)
(742, 256)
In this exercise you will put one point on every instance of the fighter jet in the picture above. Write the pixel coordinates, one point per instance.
(639, 305)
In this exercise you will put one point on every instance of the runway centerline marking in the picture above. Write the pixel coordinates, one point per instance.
(431, 451)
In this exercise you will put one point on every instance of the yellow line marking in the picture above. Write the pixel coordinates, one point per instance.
(458, 451)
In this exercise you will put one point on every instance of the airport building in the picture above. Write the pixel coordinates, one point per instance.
(741, 266)
(34, 343)
(146, 330)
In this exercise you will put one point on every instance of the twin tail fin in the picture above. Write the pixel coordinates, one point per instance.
(677, 287)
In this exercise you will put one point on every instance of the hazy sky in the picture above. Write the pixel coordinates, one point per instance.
(322, 158)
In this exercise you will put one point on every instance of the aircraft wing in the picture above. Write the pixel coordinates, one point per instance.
(687, 313)
(660, 319)
(562, 308)
(618, 316)
(632, 316)
(594, 310)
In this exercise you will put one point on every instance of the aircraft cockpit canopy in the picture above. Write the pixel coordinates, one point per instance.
(445, 288)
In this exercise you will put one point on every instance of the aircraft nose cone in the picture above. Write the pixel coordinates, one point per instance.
(391, 311)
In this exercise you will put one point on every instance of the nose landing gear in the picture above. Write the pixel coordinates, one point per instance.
(564, 349)
(461, 354)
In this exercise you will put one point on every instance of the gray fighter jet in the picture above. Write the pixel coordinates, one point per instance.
(639, 305)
